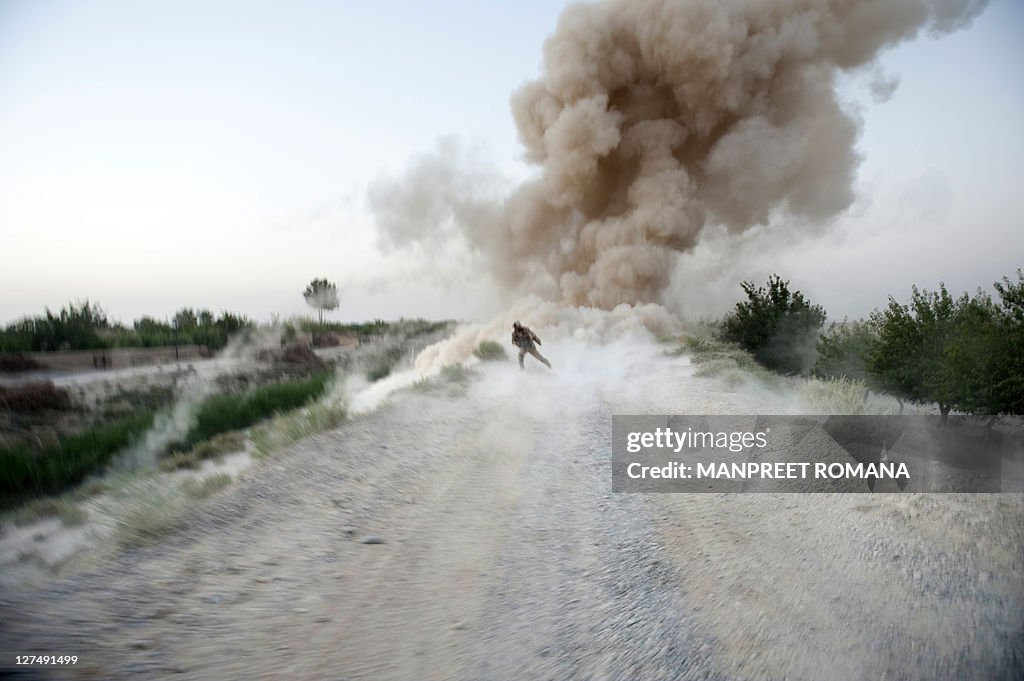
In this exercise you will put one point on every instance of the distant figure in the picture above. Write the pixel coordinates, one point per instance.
(525, 340)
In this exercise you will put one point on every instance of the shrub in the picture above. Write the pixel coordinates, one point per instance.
(778, 327)
(490, 351)
(843, 350)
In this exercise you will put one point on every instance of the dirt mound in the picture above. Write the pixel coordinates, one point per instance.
(12, 362)
(294, 353)
(37, 396)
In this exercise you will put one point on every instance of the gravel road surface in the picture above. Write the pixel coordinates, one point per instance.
(471, 533)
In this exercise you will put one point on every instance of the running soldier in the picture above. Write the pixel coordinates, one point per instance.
(525, 339)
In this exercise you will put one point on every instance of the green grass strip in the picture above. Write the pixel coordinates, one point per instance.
(233, 412)
(25, 473)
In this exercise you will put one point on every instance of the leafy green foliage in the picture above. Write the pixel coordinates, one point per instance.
(843, 350)
(909, 356)
(84, 326)
(777, 326)
(965, 354)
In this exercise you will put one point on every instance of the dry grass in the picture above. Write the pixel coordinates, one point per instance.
(490, 351)
(148, 510)
(225, 443)
(273, 436)
(66, 510)
(201, 489)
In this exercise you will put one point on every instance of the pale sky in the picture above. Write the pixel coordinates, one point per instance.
(155, 155)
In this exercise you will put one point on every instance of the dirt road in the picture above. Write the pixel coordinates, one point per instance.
(472, 534)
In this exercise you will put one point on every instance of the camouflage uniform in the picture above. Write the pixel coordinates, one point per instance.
(525, 339)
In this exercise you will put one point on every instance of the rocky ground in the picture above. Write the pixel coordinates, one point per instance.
(470, 532)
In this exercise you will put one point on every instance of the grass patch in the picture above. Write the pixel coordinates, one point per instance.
(218, 445)
(490, 351)
(25, 472)
(234, 412)
(68, 512)
(272, 436)
(148, 523)
(452, 376)
(90, 488)
(146, 508)
(841, 396)
(454, 373)
(178, 460)
(201, 489)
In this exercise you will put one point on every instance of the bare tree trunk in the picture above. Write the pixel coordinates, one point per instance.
(944, 411)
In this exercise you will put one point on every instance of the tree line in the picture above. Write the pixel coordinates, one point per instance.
(963, 354)
(83, 325)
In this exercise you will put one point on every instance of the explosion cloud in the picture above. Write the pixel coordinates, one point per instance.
(653, 119)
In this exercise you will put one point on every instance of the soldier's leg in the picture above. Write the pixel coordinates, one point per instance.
(535, 353)
(522, 354)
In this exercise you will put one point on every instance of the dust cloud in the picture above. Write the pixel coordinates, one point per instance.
(651, 122)
(173, 424)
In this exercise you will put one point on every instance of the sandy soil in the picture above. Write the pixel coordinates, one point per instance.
(472, 534)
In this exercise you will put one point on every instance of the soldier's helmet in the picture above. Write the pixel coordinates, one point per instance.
(516, 325)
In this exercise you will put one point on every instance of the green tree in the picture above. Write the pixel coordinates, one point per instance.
(322, 295)
(1008, 368)
(909, 359)
(777, 326)
(185, 319)
(843, 350)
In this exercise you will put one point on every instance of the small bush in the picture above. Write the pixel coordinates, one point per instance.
(201, 489)
(490, 351)
(777, 326)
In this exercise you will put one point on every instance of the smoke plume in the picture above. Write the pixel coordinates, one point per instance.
(653, 120)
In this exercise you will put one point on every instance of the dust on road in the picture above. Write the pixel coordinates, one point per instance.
(500, 552)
